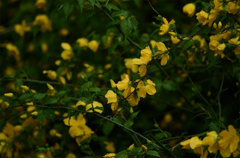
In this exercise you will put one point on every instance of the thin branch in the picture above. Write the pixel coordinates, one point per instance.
(218, 99)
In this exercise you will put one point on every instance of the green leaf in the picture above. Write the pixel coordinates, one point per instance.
(81, 4)
(152, 153)
(25, 96)
(130, 121)
(187, 45)
(111, 6)
(107, 128)
(129, 26)
(39, 96)
(86, 85)
(137, 2)
(94, 89)
(122, 154)
(51, 101)
(66, 100)
(169, 85)
(92, 2)
(68, 8)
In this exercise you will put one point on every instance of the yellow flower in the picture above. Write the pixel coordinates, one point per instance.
(142, 70)
(22, 28)
(70, 155)
(64, 32)
(175, 39)
(50, 87)
(80, 103)
(93, 45)
(54, 133)
(164, 59)
(232, 7)
(165, 27)
(228, 142)
(113, 84)
(123, 84)
(237, 50)
(189, 9)
(114, 106)
(128, 92)
(13, 51)
(146, 88)
(44, 22)
(44, 47)
(234, 41)
(23, 116)
(95, 106)
(31, 108)
(67, 54)
(131, 147)
(202, 17)
(111, 96)
(109, 39)
(211, 141)
(3, 141)
(130, 64)
(191, 143)
(51, 74)
(9, 95)
(146, 55)
(78, 128)
(132, 100)
(144, 148)
(83, 42)
(75, 122)
(87, 132)
(40, 4)
(109, 155)
(110, 146)
(160, 46)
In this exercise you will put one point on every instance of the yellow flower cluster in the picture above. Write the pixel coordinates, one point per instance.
(22, 28)
(164, 29)
(92, 45)
(78, 128)
(67, 53)
(7, 136)
(215, 44)
(189, 9)
(226, 142)
(205, 17)
(43, 21)
(140, 64)
(125, 85)
(95, 106)
(13, 51)
(112, 98)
